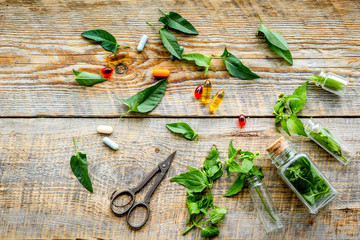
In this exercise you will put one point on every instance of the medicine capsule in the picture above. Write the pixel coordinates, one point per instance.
(107, 72)
(114, 59)
(110, 143)
(205, 98)
(104, 129)
(198, 91)
(214, 104)
(163, 73)
(142, 43)
(172, 57)
(242, 120)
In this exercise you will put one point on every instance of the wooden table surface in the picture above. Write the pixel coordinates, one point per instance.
(40, 43)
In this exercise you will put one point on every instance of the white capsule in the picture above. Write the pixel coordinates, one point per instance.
(142, 43)
(110, 143)
(104, 129)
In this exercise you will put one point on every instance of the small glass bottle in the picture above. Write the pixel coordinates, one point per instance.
(264, 204)
(331, 82)
(301, 174)
(328, 141)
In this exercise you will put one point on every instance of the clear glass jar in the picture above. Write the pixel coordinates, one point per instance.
(331, 82)
(301, 174)
(328, 141)
(264, 204)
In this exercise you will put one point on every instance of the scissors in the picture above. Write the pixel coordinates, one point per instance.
(128, 207)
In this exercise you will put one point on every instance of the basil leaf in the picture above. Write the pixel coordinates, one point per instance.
(284, 126)
(236, 68)
(79, 167)
(217, 214)
(200, 60)
(194, 180)
(146, 100)
(106, 40)
(88, 79)
(245, 167)
(237, 186)
(297, 104)
(232, 151)
(285, 54)
(184, 129)
(170, 42)
(212, 164)
(274, 37)
(176, 21)
(257, 172)
(295, 125)
(209, 231)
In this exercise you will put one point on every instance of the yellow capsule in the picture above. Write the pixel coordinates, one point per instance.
(114, 59)
(205, 98)
(214, 104)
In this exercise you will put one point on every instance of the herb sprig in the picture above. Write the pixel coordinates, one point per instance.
(200, 199)
(184, 129)
(176, 21)
(246, 170)
(286, 109)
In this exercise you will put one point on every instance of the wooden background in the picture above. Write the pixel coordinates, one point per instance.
(40, 43)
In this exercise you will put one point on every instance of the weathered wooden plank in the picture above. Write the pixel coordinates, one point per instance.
(40, 46)
(40, 197)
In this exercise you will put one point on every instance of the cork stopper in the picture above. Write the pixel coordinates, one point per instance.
(277, 147)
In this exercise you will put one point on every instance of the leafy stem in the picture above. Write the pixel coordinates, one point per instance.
(162, 11)
(194, 224)
(263, 202)
(152, 25)
(260, 18)
(125, 113)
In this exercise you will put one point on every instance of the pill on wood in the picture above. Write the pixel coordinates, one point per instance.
(104, 129)
(110, 143)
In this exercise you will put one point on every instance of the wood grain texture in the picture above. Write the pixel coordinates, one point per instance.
(40, 43)
(41, 198)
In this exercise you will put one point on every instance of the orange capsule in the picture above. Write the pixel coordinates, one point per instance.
(161, 72)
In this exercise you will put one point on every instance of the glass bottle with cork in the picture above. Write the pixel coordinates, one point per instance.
(301, 174)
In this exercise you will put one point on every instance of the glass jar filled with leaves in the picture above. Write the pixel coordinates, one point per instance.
(250, 174)
(328, 141)
(330, 82)
(301, 174)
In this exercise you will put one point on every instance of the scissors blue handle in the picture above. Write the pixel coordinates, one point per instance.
(129, 207)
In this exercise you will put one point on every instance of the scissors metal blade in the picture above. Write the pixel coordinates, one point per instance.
(165, 165)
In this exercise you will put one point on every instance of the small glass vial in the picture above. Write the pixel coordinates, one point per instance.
(331, 82)
(264, 204)
(301, 174)
(328, 141)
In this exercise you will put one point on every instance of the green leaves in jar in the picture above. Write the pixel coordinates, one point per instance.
(176, 21)
(276, 42)
(104, 38)
(236, 68)
(146, 100)
(79, 167)
(286, 109)
(200, 60)
(88, 79)
(200, 199)
(184, 129)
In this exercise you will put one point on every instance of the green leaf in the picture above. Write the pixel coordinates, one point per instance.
(106, 40)
(194, 180)
(146, 100)
(217, 214)
(209, 231)
(212, 165)
(237, 186)
(79, 167)
(295, 125)
(200, 60)
(284, 126)
(297, 104)
(285, 54)
(88, 79)
(232, 151)
(274, 37)
(244, 168)
(256, 172)
(236, 68)
(184, 129)
(176, 21)
(170, 42)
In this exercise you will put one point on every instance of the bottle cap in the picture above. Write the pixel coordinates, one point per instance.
(277, 147)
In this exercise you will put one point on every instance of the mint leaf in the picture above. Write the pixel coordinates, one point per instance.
(237, 186)
(296, 126)
(147, 99)
(209, 231)
(194, 180)
(212, 163)
(79, 167)
(200, 60)
(88, 79)
(217, 214)
(184, 129)
(176, 21)
(297, 104)
(170, 42)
